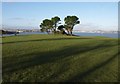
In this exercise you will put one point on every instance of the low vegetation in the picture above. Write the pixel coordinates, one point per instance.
(59, 58)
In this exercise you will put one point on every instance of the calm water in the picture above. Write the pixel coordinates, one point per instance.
(111, 35)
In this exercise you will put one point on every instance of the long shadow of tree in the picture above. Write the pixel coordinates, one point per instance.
(50, 39)
(79, 77)
(51, 56)
(40, 58)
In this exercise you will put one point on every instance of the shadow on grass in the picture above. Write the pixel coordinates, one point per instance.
(39, 58)
(79, 77)
(50, 39)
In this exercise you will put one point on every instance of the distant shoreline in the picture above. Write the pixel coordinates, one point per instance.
(111, 35)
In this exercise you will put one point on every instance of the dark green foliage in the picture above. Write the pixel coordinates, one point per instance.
(70, 22)
(62, 30)
(46, 25)
(2, 32)
(8, 32)
(51, 25)
(55, 21)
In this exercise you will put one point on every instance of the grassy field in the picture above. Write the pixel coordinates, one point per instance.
(57, 58)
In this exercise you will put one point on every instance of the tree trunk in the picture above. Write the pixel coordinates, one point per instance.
(54, 31)
(68, 32)
(71, 33)
(47, 31)
(55, 27)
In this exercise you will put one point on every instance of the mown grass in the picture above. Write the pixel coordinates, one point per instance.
(57, 58)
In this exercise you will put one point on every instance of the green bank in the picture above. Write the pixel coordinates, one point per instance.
(59, 58)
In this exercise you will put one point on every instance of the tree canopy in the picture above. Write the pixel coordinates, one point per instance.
(51, 25)
(55, 21)
(46, 25)
(70, 22)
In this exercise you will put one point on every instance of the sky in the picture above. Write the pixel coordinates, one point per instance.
(59, 0)
(92, 15)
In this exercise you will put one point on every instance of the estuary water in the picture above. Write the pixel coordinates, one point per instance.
(111, 35)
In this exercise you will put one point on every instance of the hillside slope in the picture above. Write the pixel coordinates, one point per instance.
(54, 58)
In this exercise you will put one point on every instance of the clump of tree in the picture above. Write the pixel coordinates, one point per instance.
(70, 22)
(62, 29)
(2, 32)
(55, 21)
(8, 32)
(51, 25)
(46, 26)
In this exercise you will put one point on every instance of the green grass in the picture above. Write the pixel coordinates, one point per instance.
(57, 58)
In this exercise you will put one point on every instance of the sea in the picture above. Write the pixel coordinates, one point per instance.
(110, 35)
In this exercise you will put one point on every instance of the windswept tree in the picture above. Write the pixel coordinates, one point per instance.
(46, 26)
(52, 25)
(42, 28)
(55, 21)
(70, 22)
(62, 29)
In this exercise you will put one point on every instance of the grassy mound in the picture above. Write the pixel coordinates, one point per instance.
(57, 58)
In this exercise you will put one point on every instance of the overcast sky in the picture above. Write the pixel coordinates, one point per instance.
(93, 15)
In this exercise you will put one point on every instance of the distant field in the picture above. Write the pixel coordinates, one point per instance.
(57, 58)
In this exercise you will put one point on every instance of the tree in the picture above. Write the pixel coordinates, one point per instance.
(2, 32)
(70, 22)
(46, 25)
(61, 28)
(43, 28)
(55, 21)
